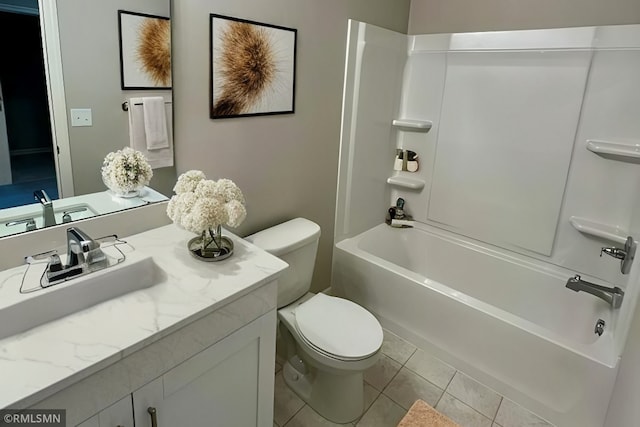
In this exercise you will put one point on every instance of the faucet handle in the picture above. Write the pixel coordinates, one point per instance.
(40, 257)
(613, 252)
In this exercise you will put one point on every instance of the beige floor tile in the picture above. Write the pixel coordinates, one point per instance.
(397, 348)
(511, 414)
(430, 368)
(474, 394)
(407, 387)
(383, 413)
(380, 374)
(307, 417)
(370, 396)
(461, 413)
(286, 402)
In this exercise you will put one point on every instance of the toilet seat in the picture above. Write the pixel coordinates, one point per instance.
(338, 328)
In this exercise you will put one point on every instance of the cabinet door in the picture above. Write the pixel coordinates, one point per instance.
(120, 414)
(230, 384)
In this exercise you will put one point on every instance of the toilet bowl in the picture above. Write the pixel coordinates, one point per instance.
(330, 342)
(327, 342)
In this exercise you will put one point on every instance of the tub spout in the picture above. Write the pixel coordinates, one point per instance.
(613, 296)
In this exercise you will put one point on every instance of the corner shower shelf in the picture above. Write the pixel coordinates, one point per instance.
(405, 182)
(416, 125)
(617, 150)
(597, 229)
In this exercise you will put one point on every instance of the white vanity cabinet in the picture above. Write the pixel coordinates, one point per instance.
(120, 414)
(229, 384)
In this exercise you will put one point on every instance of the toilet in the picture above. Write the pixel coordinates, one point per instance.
(327, 342)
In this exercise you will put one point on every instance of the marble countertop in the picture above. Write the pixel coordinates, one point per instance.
(46, 359)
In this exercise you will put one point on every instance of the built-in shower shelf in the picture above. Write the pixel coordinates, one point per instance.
(415, 125)
(628, 152)
(406, 182)
(597, 229)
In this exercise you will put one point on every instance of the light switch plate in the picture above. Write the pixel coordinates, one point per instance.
(81, 117)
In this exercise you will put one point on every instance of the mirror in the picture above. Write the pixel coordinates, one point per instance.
(73, 63)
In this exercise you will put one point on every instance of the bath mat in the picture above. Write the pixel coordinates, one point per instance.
(422, 415)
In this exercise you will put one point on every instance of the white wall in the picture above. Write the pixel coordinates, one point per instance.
(449, 16)
(286, 165)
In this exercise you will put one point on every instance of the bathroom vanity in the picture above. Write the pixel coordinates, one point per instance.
(193, 346)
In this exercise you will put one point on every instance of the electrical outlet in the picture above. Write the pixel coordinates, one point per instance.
(81, 117)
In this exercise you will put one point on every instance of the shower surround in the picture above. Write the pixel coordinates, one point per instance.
(527, 146)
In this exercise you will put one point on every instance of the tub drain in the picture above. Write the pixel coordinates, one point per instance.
(599, 329)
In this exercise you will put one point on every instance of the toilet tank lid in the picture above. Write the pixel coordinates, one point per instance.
(286, 237)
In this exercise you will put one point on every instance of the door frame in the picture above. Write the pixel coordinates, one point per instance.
(57, 103)
(5, 156)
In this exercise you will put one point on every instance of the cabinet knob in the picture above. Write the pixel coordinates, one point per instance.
(154, 416)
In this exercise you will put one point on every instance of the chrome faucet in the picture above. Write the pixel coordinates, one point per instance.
(82, 249)
(625, 255)
(47, 207)
(83, 256)
(613, 296)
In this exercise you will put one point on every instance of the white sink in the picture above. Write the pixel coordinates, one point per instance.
(21, 312)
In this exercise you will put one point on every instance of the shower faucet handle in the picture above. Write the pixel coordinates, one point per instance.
(625, 255)
(614, 252)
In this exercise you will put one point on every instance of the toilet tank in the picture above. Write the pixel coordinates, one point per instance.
(296, 243)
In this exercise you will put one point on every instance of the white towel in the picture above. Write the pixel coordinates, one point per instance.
(155, 122)
(137, 138)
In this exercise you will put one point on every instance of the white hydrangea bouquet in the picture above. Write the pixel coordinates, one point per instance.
(126, 171)
(202, 206)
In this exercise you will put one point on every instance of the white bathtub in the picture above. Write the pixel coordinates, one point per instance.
(506, 320)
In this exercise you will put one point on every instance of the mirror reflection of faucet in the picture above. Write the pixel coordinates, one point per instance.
(66, 215)
(47, 207)
(30, 223)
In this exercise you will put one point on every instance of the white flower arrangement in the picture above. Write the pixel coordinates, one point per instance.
(126, 170)
(201, 205)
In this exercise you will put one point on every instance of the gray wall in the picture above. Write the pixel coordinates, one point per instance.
(448, 16)
(91, 67)
(286, 165)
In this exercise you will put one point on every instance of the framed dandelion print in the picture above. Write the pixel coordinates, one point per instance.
(253, 68)
(145, 51)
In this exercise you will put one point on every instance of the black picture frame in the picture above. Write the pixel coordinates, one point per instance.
(252, 68)
(145, 51)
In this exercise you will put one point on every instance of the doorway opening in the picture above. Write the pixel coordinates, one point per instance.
(26, 137)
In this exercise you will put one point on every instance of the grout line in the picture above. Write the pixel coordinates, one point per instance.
(293, 416)
(445, 390)
(470, 407)
(498, 410)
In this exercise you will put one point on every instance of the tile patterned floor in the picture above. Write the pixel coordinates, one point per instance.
(403, 374)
